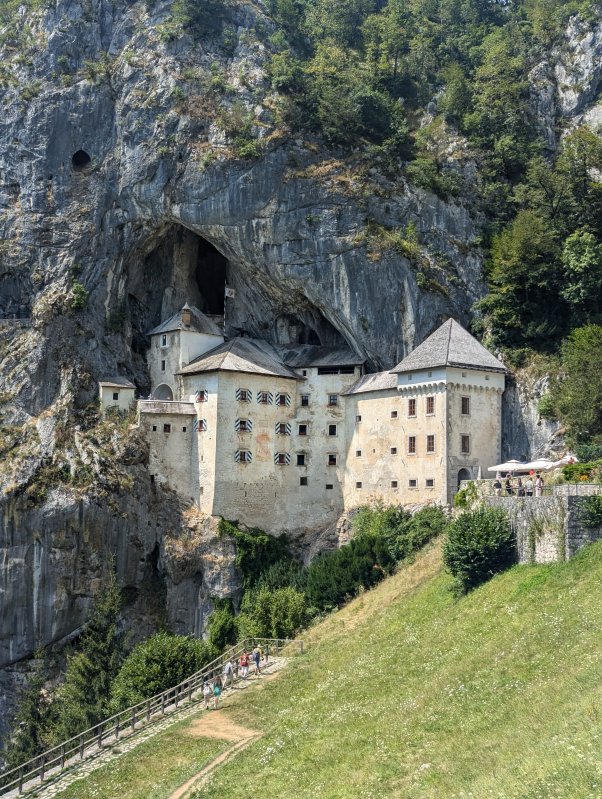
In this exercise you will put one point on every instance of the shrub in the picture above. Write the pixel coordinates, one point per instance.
(222, 625)
(589, 452)
(578, 472)
(480, 544)
(155, 665)
(590, 513)
(546, 407)
(78, 298)
(402, 533)
(272, 614)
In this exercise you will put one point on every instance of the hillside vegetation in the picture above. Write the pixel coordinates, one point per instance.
(409, 692)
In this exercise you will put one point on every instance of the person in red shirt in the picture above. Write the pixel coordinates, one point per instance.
(244, 664)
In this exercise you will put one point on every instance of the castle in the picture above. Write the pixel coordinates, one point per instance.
(287, 438)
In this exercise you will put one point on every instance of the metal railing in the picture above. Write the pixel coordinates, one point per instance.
(54, 761)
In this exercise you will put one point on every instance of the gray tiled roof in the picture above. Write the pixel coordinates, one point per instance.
(450, 345)
(116, 382)
(313, 355)
(379, 381)
(252, 356)
(199, 323)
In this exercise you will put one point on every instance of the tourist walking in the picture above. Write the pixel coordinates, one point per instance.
(217, 692)
(538, 486)
(244, 664)
(257, 659)
(207, 693)
(497, 487)
(520, 489)
(508, 484)
(228, 674)
(529, 486)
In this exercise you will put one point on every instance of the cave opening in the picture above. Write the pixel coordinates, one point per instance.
(80, 160)
(210, 275)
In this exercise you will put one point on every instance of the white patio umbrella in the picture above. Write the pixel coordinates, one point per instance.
(508, 466)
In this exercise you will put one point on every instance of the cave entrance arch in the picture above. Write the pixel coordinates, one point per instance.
(163, 392)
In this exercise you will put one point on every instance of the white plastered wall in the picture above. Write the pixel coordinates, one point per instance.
(125, 397)
(172, 457)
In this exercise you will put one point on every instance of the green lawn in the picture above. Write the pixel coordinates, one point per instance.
(409, 692)
(150, 771)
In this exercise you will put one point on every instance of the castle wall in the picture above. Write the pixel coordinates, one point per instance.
(125, 398)
(173, 457)
(181, 347)
(206, 434)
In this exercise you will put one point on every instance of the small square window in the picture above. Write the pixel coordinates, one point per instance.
(281, 429)
(430, 444)
(430, 483)
(263, 397)
(486, 377)
(303, 481)
(281, 459)
(154, 428)
(412, 445)
(358, 453)
(333, 399)
(465, 406)
(281, 399)
(393, 414)
(162, 366)
(465, 445)
(411, 407)
(115, 395)
(302, 429)
(184, 429)
(429, 374)
(201, 490)
(329, 486)
(393, 483)
(358, 419)
(430, 406)
(393, 450)
(167, 428)
(243, 395)
(304, 372)
(332, 460)
(463, 374)
(332, 429)
(300, 459)
(243, 426)
(358, 485)
(413, 483)
(304, 400)
(244, 456)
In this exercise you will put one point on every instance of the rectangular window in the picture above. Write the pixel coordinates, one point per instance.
(243, 395)
(465, 406)
(283, 399)
(465, 445)
(115, 395)
(332, 429)
(358, 485)
(393, 450)
(412, 445)
(393, 414)
(329, 486)
(243, 456)
(430, 444)
(430, 483)
(281, 458)
(202, 425)
(302, 429)
(154, 428)
(282, 429)
(393, 483)
(183, 429)
(304, 400)
(300, 459)
(162, 366)
(358, 453)
(332, 460)
(201, 395)
(303, 481)
(264, 398)
(243, 426)
(358, 419)
(413, 483)
(333, 399)
(430, 406)
(411, 407)
(164, 341)
(167, 428)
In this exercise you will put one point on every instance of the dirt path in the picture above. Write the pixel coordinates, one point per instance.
(216, 725)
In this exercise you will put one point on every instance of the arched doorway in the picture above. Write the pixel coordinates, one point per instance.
(463, 474)
(163, 392)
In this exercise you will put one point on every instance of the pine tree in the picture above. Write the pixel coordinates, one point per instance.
(30, 722)
(83, 699)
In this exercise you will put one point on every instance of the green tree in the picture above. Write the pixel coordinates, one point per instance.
(480, 543)
(278, 613)
(156, 664)
(30, 725)
(222, 625)
(83, 699)
(578, 397)
(582, 262)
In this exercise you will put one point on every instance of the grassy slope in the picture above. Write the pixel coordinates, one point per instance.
(409, 693)
(151, 771)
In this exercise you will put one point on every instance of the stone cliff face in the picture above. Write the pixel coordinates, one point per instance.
(143, 165)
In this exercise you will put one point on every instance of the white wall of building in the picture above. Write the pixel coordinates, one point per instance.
(122, 402)
(173, 459)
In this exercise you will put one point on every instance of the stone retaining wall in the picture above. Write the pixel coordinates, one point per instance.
(548, 529)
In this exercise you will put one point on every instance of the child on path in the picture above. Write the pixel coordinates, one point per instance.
(207, 693)
(217, 692)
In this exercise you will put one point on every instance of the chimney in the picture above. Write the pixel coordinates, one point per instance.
(186, 315)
